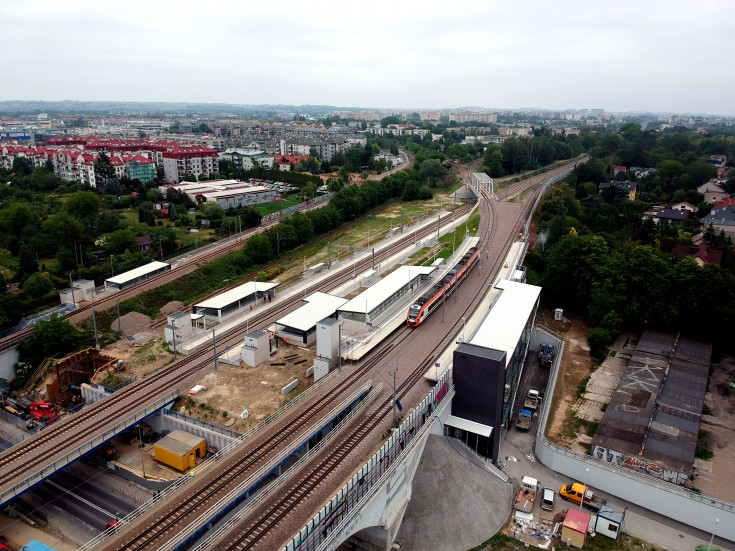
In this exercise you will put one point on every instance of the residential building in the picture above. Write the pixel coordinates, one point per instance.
(630, 186)
(287, 162)
(720, 220)
(180, 161)
(713, 191)
(688, 207)
(702, 254)
(245, 159)
(139, 168)
(474, 116)
(669, 215)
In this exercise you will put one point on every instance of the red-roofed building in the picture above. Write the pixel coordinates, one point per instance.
(725, 203)
(702, 254)
(286, 162)
(195, 160)
(617, 169)
(574, 529)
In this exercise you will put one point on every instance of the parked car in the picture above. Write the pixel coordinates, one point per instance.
(547, 499)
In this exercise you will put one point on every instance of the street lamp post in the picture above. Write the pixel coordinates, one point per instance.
(464, 326)
(717, 521)
(111, 268)
(584, 490)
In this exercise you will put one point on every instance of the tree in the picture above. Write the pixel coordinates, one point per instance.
(63, 229)
(22, 166)
(53, 337)
(113, 187)
(49, 165)
(84, 206)
(120, 241)
(172, 214)
(27, 263)
(494, 162)
(103, 169)
(432, 171)
(258, 249)
(515, 153)
(16, 217)
(37, 285)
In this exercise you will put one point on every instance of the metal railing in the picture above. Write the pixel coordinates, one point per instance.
(85, 448)
(268, 490)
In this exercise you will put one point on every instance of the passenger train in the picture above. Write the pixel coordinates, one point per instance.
(425, 305)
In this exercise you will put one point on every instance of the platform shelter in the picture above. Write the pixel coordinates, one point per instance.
(300, 325)
(136, 275)
(367, 307)
(252, 292)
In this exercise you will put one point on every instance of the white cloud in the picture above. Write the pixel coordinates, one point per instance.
(643, 55)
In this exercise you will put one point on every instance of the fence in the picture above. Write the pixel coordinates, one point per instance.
(326, 528)
(673, 501)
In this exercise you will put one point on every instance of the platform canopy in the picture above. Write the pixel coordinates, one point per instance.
(235, 295)
(377, 294)
(504, 325)
(318, 306)
(135, 273)
(469, 426)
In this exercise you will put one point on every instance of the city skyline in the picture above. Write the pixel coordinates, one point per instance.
(653, 57)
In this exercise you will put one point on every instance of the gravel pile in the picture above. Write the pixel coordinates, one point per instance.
(171, 307)
(132, 323)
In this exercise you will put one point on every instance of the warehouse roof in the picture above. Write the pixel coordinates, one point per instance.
(377, 294)
(179, 442)
(233, 295)
(504, 325)
(137, 272)
(659, 422)
(318, 306)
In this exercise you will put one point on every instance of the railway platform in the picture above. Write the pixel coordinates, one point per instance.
(242, 317)
(510, 266)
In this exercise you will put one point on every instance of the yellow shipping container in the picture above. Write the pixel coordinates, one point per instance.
(180, 450)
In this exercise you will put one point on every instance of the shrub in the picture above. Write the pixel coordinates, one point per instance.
(598, 339)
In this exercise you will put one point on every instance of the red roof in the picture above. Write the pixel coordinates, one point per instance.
(729, 202)
(577, 521)
(707, 255)
(289, 159)
(179, 151)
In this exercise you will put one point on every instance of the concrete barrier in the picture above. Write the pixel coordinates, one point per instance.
(290, 386)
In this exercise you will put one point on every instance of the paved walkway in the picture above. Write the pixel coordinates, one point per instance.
(455, 504)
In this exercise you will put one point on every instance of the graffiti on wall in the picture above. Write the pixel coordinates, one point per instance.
(639, 464)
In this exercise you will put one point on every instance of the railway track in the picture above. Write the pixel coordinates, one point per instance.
(176, 514)
(93, 420)
(255, 530)
(268, 518)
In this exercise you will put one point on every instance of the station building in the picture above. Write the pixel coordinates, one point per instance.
(488, 365)
(366, 308)
(136, 275)
(300, 325)
(252, 292)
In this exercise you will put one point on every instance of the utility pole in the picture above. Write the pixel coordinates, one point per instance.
(119, 325)
(111, 267)
(339, 345)
(444, 302)
(214, 343)
(160, 243)
(142, 455)
(394, 397)
(401, 221)
(96, 337)
(329, 255)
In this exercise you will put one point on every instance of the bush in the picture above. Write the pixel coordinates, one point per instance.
(598, 339)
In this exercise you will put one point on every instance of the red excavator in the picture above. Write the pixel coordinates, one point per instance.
(43, 411)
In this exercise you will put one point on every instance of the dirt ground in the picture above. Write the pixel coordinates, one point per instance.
(141, 358)
(230, 389)
(717, 477)
(575, 366)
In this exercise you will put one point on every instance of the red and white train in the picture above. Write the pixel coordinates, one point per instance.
(425, 305)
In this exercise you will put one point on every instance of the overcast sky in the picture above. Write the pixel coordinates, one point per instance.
(643, 55)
